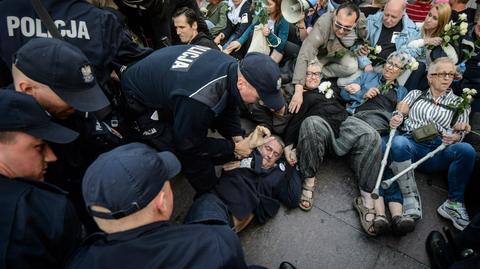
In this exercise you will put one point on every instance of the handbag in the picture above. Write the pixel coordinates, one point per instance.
(425, 133)
(259, 41)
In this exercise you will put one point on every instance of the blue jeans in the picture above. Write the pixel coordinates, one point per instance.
(209, 209)
(458, 159)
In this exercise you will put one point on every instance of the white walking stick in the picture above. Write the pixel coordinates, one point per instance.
(374, 194)
(386, 184)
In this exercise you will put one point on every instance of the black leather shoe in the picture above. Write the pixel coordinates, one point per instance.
(437, 250)
(286, 265)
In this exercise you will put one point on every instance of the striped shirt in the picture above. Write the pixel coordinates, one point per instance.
(417, 12)
(424, 112)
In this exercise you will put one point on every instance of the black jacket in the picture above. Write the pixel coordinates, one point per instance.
(259, 191)
(162, 245)
(95, 31)
(192, 88)
(38, 226)
(203, 40)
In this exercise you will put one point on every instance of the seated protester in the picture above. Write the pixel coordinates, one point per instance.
(373, 7)
(217, 16)
(392, 30)
(434, 107)
(39, 227)
(186, 23)
(252, 189)
(431, 44)
(276, 32)
(418, 10)
(378, 91)
(68, 91)
(134, 217)
(322, 123)
(239, 18)
(330, 41)
(459, 7)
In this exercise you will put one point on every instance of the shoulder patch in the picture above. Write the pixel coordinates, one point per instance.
(282, 167)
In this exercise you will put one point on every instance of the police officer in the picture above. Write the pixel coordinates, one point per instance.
(38, 225)
(182, 91)
(61, 79)
(95, 31)
(129, 194)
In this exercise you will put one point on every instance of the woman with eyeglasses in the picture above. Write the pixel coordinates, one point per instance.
(378, 91)
(322, 123)
(421, 116)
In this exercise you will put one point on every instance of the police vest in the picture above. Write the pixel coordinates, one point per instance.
(195, 72)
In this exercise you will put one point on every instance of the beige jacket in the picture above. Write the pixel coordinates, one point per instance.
(322, 42)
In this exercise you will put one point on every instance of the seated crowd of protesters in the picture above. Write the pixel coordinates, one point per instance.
(96, 124)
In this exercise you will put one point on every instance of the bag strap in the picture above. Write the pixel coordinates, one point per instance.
(46, 18)
(455, 111)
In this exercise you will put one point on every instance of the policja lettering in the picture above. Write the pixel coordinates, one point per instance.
(187, 58)
(30, 27)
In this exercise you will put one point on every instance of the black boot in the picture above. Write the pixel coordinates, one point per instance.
(438, 252)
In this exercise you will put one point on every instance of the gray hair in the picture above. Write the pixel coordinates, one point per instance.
(433, 66)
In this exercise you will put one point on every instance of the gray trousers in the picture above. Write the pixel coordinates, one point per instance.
(357, 139)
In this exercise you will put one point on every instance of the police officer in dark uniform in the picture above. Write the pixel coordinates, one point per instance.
(38, 225)
(128, 192)
(95, 31)
(180, 92)
(61, 79)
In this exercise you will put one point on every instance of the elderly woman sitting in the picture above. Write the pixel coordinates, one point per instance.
(381, 90)
(434, 107)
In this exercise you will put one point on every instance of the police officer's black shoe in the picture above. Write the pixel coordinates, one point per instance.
(438, 252)
(286, 265)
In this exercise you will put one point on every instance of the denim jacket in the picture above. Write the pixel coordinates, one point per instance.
(409, 33)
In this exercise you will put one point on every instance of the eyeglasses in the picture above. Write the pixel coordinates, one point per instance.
(444, 75)
(343, 27)
(313, 74)
(395, 67)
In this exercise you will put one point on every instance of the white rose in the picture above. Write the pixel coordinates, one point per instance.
(329, 94)
(378, 49)
(324, 86)
(466, 90)
(414, 65)
(463, 28)
(473, 91)
(447, 27)
(469, 98)
(462, 17)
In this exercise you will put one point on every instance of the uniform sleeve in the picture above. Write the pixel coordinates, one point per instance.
(228, 122)
(309, 50)
(190, 127)
(289, 188)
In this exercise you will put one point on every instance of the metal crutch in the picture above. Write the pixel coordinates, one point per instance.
(386, 183)
(376, 190)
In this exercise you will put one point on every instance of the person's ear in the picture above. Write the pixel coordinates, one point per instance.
(161, 203)
(25, 87)
(195, 25)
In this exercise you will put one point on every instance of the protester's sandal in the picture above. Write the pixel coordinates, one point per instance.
(363, 212)
(381, 224)
(306, 201)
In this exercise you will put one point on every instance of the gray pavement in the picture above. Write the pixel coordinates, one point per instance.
(330, 235)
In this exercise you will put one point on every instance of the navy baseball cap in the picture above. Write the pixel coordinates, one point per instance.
(264, 75)
(21, 113)
(65, 69)
(126, 179)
